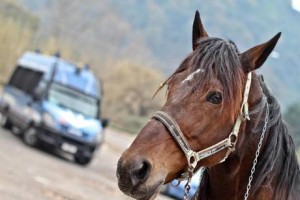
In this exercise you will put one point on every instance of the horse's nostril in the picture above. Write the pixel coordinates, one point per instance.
(140, 172)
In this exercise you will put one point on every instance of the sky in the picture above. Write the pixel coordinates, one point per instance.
(296, 5)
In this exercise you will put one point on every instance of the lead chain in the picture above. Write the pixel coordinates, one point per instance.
(187, 186)
(257, 153)
(187, 190)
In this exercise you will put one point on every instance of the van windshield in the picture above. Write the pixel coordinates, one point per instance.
(71, 99)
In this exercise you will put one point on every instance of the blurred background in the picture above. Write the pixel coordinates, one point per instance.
(133, 45)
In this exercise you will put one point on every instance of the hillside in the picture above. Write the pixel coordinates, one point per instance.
(17, 28)
(158, 33)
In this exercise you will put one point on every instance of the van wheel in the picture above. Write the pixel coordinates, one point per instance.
(82, 160)
(4, 121)
(30, 137)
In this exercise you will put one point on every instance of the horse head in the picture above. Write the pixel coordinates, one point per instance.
(205, 96)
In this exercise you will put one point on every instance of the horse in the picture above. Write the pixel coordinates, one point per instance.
(219, 114)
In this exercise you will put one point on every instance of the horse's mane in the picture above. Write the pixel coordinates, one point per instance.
(278, 161)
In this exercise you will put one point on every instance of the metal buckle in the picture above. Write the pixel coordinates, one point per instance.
(232, 139)
(192, 159)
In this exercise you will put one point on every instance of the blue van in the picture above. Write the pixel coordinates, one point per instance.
(51, 101)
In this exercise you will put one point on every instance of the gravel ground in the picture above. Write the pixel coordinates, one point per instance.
(35, 174)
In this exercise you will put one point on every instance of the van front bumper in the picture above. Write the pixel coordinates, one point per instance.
(58, 140)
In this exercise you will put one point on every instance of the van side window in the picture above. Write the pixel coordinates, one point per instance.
(25, 79)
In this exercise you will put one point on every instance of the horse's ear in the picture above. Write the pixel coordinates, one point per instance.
(253, 58)
(198, 30)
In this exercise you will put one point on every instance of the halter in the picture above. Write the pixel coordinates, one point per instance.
(194, 157)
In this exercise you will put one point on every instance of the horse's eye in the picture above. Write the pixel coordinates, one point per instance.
(214, 97)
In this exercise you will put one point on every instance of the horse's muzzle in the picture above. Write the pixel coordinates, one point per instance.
(131, 174)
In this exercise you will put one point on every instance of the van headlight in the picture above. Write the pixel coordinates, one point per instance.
(48, 120)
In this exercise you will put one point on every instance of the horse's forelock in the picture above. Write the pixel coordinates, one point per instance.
(219, 59)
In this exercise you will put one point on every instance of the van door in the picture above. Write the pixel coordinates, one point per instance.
(19, 95)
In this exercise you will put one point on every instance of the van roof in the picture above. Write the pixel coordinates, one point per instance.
(66, 73)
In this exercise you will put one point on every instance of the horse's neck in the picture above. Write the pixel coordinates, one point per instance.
(228, 181)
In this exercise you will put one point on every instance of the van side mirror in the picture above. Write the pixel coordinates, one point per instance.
(37, 95)
(105, 122)
(39, 92)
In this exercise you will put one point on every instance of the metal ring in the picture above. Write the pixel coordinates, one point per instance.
(233, 139)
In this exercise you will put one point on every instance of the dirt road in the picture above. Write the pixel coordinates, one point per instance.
(33, 174)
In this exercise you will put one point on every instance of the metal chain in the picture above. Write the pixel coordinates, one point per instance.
(257, 153)
(187, 186)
